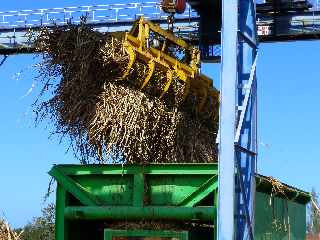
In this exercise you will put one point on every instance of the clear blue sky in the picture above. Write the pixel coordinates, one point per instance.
(289, 113)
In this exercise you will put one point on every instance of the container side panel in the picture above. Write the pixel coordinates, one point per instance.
(279, 219)
(172, 190)
(108, 189)
(297, 213)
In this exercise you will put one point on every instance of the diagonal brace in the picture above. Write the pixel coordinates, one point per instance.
(201, 192)
(245, 200)
(246, 100)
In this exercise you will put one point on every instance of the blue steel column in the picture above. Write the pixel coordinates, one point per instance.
(246, 135)
(227, 123)
(238, 136)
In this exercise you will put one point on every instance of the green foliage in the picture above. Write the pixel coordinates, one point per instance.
(313, 227)
(41, 228)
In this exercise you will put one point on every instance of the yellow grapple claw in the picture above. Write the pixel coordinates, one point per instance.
(150, 71)
(152, 45)
(132, 57)
(169, 81)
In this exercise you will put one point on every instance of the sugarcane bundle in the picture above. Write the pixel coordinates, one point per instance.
(100, 99)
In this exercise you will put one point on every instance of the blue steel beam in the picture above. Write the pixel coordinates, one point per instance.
(18, 41)
(289, 26)
(113, 14)
(14, 25)
(237, 135)
(246, 134)
(227, 122)
(119, 17)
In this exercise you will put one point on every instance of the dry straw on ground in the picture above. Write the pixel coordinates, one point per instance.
(6, 233)
(108, 118)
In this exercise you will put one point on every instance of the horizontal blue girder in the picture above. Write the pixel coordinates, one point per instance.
(119, 17)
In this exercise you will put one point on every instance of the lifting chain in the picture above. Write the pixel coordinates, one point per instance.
(170, 22)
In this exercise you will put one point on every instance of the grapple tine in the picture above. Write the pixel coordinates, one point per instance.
(132, 58)
(151, 66)
(169, 81)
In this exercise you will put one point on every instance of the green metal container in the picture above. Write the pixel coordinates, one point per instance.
(281, 216)
(164, 201)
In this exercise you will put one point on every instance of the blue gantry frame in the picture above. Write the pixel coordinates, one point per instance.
(238, 113)
(238, 120)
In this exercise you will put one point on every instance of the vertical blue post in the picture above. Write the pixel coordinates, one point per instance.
(246, 134)
(227, 123)
(237, 135)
